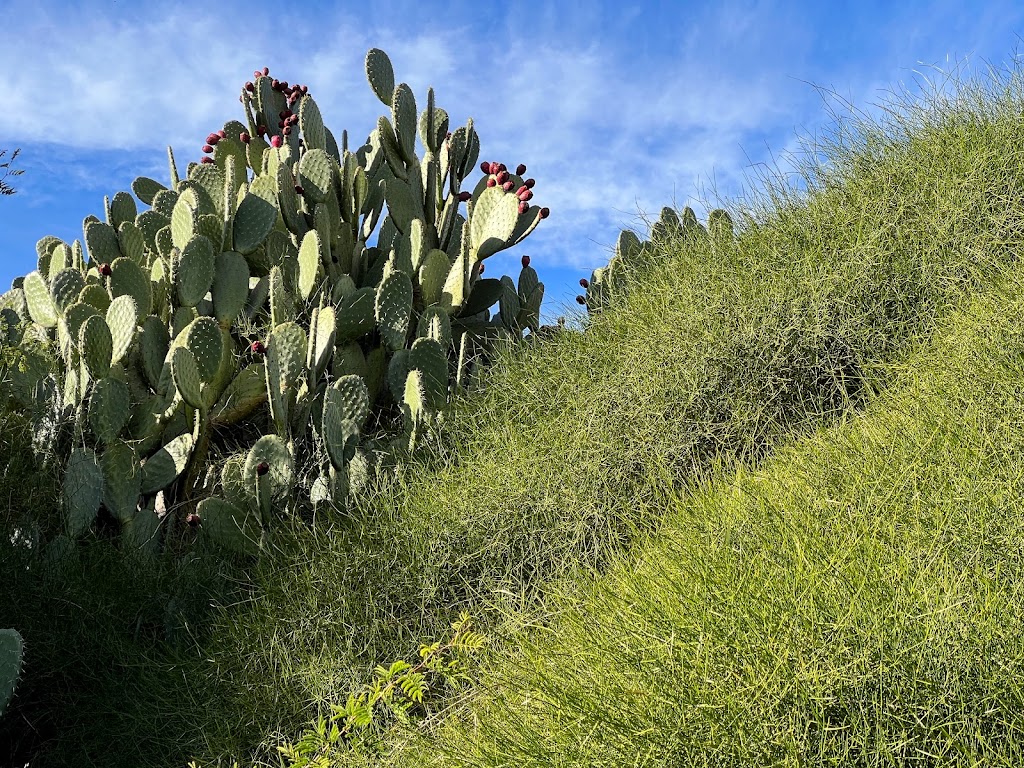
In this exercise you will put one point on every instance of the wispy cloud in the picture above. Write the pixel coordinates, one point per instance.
(614, 109)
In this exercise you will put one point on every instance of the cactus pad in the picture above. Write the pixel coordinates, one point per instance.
(196, 271)
(96, 346)
(274, 451)
(37, 298)
(428, 357)
(316, 175)
(185, 374)
(65, 287)
(12, 650)
(82, 491)
(205, 340)
(393, 308)
(492, 221)
(228, 526)
(381, 75)
(432, 275)
(110, 406)
(122, 479)
(127, 278)
(146, 189)
(230, 286)
(122, 320)
(309, 263)
(161, 469)
(253, 221)
(403, 111)
(246, 392)
(101, 240)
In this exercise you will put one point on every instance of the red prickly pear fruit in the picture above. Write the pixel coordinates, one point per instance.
(584, 283)
(258, 347)
(299, 190)
(104, 269)
(257, 73)
(491, 183)
(207, 148)
(526, 261)
(276, 141)
(222, 133)
(545, 212)
(266, 70)
(464, 196)
(262, 468)
(244, 137)
(261, 130)
(250, 86)
(523, 207)
(192, 520)
(213, 138)
(507, 186)
(482, 268)
(287, 130)
(522, 189)
(502, 177)
(502, 167)
(206, 159)
(493, 169)
(527, 195)
(485, 167)
(520, 169)
(285, 113)
(276, 84)
(581, 300)
(280, 123)
(294, 120)
(529, 183)
(304, 89)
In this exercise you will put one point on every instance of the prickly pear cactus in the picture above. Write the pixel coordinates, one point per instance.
(631, 253)
(285, 307)
(11, 651)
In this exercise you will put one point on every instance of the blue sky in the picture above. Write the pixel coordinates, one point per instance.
(616, 108)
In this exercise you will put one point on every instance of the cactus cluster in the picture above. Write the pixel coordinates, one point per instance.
(631, 253)
(241, 329)
(11, 651)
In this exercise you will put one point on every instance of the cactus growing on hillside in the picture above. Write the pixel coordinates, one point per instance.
(243, 320)
(631, 253)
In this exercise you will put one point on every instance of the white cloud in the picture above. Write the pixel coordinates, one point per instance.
(607, 122)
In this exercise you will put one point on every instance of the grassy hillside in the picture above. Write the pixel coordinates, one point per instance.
(747, 614)
(857, 600)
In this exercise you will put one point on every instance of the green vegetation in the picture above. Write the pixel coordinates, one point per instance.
(762, 510)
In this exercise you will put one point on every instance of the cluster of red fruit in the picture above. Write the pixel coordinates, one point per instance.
(499, 176)
(287, 121)
(293, 92)
(584, 283)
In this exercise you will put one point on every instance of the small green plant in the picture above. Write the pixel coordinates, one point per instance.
(395, 690)
(5, 188)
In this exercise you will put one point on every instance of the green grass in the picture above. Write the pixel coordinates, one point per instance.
(858, 600)
(634, 437)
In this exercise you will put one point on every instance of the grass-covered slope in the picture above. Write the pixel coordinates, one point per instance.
(573, 452)
(857, 600)
(575, 448)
